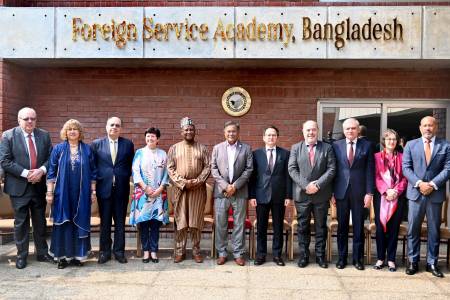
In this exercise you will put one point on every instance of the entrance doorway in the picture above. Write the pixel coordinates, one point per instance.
(377, 115)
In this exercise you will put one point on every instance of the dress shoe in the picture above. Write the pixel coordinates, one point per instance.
(76, 262)
(278, 261)
(103, 258)
(303, 262)
(259, 260)
(240, 261)
(62, 264)
(341, 264)
(412, 268)
(321, 262)
(198, 258)
(45, 258)
(358, 265)
(146, 260)
(21, 263)
(379, 265)
(434, 269)
(121, 259)
(154, 258)
(221, 260)
(179, 258)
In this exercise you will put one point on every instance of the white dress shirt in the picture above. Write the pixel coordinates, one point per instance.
(274, 154)
(113, 146)
(347, 141)
(25, 136)
(433, 139)
(308, 146)
(231, 153)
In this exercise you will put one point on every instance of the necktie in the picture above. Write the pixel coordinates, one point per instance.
(351, 154)
(427, 151)
(113, 152)
(311, 154)
(33, 156)
(271, 160)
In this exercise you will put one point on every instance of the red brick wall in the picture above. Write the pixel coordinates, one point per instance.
(161, 97)
(13, 93)
(12, 3)
(106, 3)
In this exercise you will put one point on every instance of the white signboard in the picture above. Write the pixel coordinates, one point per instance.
(337, 32)
(27, 32)
(99, 32)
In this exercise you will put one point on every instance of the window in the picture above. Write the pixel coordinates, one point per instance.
(378, 114)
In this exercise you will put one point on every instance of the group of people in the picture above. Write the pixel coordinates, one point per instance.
(69, 177)
(346, 173)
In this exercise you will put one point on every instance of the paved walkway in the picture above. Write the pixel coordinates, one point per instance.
(189, 280)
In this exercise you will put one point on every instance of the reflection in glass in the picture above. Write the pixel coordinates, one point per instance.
(406, 121)
(333, 117)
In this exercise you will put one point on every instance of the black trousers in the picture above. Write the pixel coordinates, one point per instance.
(356, 206)
(110, 208)
(262, 217)
(387, 241)
(34, 203)
(150, 234)
(320, 212)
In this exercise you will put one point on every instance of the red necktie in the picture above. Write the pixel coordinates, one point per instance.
(351, 154)
(311, 155)
(33, 156)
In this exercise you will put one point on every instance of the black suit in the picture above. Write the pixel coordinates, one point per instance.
(270, 189)
(113, 199)
(26, 197)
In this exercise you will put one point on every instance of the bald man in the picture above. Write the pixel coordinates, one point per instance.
(426, 165)
(113, 156)
(312, 166)
(24, 154)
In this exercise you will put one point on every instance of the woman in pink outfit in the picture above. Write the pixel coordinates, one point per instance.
(390, 185)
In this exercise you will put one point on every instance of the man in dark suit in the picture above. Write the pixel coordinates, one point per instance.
(270, 190)
(312, 166)
(24, 154)
(353, 190)
(426, 165)
(231, 167)
(113, 156)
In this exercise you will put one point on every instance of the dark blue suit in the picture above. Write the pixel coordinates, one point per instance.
(438, 171)
(351, 184)
(270, 189)
(113, 199)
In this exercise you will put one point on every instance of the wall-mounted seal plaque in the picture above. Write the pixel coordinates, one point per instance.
(236, 101)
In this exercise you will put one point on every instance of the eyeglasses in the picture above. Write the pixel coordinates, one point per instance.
(390, 139)
(28, 119)
(114, 125)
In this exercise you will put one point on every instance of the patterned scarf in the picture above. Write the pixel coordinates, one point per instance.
(390, 173)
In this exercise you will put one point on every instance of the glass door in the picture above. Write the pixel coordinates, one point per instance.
(406, 120)
(378, 114)
(332, 115)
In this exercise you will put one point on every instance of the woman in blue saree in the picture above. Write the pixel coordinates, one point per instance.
(149, 208)
(71, 190)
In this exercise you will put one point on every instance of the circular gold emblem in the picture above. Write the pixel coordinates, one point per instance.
(236, 101)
